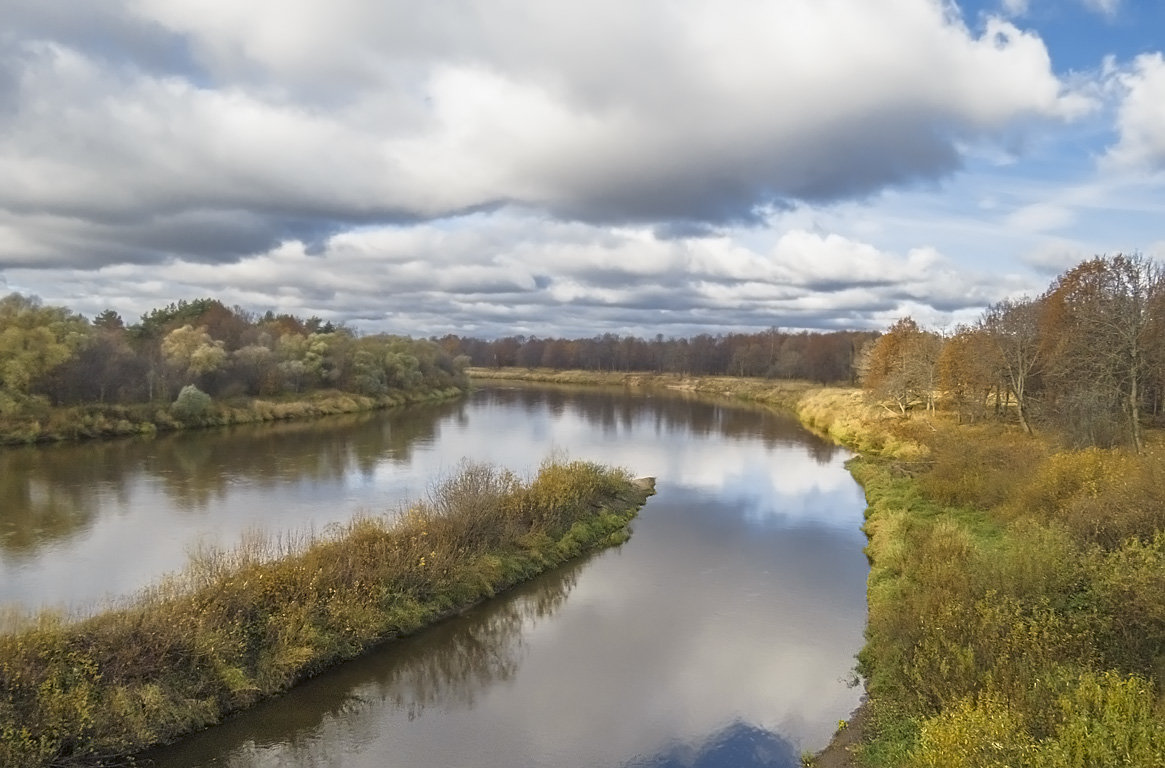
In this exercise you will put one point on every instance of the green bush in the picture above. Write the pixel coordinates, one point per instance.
(192, 404)
(1016, 605)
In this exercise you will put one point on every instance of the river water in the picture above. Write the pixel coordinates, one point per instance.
(721, 635)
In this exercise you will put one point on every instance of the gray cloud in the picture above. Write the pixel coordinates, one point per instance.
(103, 30)
(490, 168)
(134, 119)
(553, 279)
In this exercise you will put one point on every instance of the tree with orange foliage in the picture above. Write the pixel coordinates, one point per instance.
(1104, 341)
(902, 368)
(969, 370)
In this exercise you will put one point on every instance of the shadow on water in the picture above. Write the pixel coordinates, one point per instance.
(447, 665)
(739, 745)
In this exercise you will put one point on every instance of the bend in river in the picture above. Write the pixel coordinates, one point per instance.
(721, 634)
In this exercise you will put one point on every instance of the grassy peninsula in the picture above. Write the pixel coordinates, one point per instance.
(1017, 588)
(244, 624)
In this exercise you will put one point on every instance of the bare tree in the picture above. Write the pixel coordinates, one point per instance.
(1013, 329)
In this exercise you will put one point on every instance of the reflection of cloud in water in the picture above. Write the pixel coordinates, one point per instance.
(447, 667)
(739, 745)
(771, 465)
(730, 604)
(80, 521)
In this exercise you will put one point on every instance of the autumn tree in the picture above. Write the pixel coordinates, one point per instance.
(192, 352)
(969, 368)
(1104, 342)
(34, 340)
(902, 367)
(254, 368)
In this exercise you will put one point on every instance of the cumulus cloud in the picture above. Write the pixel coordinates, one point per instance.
(1056, 255)
(505, 274)
(1141, 119)
(294, 121)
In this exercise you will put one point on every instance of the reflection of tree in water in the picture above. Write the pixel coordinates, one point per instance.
(195, 468)
(665, 412)
(451, 669)
(740, 745)
(448, 666)
(51, 493)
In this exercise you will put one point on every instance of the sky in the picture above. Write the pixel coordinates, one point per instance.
(546, 168)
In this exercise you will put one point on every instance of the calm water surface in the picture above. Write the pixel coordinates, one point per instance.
(720, 635)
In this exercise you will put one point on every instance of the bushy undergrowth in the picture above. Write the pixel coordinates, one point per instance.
(243, 624)
(1016, 598)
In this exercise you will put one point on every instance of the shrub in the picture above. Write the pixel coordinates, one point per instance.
(976, 466)
(1127, 588)
(192, 404)
(977, 733)
(1106, 719)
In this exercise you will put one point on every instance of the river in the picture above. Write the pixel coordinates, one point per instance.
(722, 634)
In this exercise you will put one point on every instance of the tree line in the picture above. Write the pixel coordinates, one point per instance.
(49, 353)
(1085, 358)
(824, 357)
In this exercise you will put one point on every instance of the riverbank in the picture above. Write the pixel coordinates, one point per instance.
(770, 392)
(1016, 597)
(86, 422)
(242, 625)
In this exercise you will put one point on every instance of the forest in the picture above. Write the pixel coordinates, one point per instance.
(823, 357)
(1085, 359)
(192, 353)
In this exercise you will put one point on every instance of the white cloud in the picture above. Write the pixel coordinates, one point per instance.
(1141, 119)
(518, 274)
(1015, 7)
(1055, 255)
(1106, 7)
(294, 119)
(534, 167)
(1040, 217)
